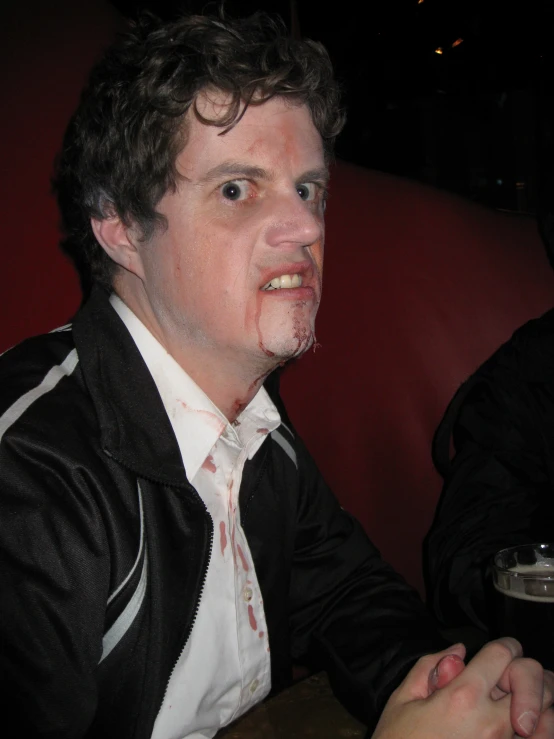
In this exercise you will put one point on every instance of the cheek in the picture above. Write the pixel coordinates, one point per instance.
(229, 236)
(177, 264)
(228, 254)
(189, 260)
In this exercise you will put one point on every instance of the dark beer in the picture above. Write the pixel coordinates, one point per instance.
(525, 603)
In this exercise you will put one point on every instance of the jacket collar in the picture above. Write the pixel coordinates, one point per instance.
(134, 426)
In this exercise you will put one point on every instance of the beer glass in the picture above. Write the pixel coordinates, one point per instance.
(523, 578)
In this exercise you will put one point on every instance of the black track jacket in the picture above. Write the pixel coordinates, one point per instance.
(104, 545)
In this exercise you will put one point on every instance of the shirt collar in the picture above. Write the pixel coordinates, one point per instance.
(196, 421)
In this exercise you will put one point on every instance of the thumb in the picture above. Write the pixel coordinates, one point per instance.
(421, 681)
(445, 671)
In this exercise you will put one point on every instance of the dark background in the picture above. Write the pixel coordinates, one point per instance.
(475, 119)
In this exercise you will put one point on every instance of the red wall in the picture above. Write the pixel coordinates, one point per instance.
(46, 50)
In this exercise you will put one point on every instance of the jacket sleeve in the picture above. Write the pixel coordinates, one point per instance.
(53, 574)
(351, 614)
(497, 491)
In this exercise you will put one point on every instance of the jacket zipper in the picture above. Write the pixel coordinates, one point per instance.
(210, 522)
(200, 592)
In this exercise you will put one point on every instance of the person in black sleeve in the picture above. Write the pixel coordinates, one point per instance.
(498, 488)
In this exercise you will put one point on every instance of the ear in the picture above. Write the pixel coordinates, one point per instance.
(119, 242)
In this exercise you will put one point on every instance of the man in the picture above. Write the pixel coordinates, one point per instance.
(168, 545)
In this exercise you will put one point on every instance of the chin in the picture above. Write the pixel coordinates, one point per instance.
(289, 337)
(290, 347)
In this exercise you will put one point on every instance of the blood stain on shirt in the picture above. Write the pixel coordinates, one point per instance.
(209, 464)
(233, 548)
(261, 634)
(263, 431)
(252, 619)
(211, 419)
(222, 536)
(242, 558)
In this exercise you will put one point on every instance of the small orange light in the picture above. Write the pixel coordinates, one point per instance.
(419, 2)
(438, 50)
(457, 42)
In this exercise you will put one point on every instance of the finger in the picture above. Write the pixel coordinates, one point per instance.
(491, 661)
(446, 670)
(545, 725)
(548, 689)
(416, 683)
(548, 693)
(524, 679)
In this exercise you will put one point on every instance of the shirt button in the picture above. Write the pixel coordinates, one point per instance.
(247, 594)
(253, 685)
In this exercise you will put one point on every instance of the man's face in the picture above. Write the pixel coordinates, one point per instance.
(237, 273)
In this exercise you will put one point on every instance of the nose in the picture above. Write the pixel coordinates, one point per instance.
(294, 222)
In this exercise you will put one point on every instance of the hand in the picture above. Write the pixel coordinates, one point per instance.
(523, 678)
(496, 694)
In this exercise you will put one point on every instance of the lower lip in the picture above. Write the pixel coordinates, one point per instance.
(292, 293)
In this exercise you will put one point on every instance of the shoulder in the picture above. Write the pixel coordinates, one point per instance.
(532, 348)
(498, 406)
(40, 383)
(529, 354)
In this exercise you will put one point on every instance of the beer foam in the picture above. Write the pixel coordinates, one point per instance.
(534, 583)
(539, 569)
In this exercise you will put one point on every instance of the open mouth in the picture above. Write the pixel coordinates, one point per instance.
(283, 282)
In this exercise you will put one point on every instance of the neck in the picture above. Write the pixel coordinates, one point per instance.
(231, 391)
(228, 378)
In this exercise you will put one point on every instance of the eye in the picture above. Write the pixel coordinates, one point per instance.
(307, 190)
(235, 190)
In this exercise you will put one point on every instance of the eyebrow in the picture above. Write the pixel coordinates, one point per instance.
(239, 169)
(320, 174)
(235, 169)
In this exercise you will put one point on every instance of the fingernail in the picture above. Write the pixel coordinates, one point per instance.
(434, 676)
(528, 721)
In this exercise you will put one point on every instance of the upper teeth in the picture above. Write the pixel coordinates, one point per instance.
(284, 281)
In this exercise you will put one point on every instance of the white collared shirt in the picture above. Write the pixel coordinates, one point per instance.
(224, 668)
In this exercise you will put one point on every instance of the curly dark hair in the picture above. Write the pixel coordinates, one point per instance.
(121, 145)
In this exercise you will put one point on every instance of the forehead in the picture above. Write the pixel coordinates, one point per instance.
(277, 134)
